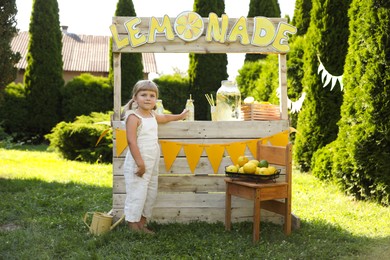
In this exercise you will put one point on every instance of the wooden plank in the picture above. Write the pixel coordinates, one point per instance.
(185, 183)
(117, 85)
(199, 46)
(283, 85)
(182, 200)
(187, 215)
(180, 166)
(217, 129)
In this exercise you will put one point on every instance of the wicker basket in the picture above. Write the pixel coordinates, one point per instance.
(258, 112)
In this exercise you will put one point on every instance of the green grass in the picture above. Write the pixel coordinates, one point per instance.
(44, 198)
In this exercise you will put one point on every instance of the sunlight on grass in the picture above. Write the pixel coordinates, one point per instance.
(44, 198)
(49, 167)
(314, 200)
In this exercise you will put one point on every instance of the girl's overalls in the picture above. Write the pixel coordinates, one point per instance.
(141, 192)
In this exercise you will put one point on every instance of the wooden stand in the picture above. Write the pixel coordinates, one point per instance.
(267, 192)
(188, 196)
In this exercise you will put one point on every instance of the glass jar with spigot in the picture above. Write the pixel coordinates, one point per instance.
(228, 102)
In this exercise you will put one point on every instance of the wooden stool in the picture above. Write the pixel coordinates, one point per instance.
(264, 195)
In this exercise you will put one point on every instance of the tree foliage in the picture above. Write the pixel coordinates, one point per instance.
(85, 94)
(363, 146)
(326, 39)
(259, 79)
(173, 90)
(8, 30)
(43, 77)
(267, 8)
(131, 63)
(301, 18)
(206, 71)
(14, 110)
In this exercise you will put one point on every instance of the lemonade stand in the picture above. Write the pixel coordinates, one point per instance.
(194, 154)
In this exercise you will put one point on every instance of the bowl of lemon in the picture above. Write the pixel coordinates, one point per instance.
(252, 170)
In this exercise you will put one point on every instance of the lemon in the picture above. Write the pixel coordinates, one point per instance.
(255, 162)
(249, 168)
(241, 170)
(242, 160)
(263, 171)
(271, 170)
(189, 26)
(257, 170)
(232, 168)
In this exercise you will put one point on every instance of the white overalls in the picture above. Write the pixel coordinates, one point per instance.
(141, 192)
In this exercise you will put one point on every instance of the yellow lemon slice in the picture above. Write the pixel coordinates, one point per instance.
(189, 26)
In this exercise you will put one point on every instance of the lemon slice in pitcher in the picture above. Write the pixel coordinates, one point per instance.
(189, 26)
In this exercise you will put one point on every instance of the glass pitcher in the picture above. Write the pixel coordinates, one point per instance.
(228, 102)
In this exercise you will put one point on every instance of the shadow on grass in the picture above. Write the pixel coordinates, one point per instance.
(43, 220)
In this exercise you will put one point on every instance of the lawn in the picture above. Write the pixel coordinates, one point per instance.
(44, 199)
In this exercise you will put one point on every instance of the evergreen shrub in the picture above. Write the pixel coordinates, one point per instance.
(85, 94)
(77, 140)
(247, 76)
(322, 161)
(260, 79)
(14, 109)
(361, 162)
(173, 91)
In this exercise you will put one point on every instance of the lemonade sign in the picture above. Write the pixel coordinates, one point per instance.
(190, 26)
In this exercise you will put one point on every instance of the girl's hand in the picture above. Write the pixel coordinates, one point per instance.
(183, 114)
(141, 170)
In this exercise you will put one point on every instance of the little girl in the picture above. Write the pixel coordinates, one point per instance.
(142, 159)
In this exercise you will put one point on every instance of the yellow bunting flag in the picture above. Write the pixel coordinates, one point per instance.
(169, 150)
(193, 153)
(252, 145)
(101, 136)
(215, 153)
(236, 150)
(293, 130)
(280, 139)
(121, 141)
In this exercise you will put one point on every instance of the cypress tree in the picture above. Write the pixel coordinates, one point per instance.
(43, 78)
(206, 71)
(267, 8)
(8, 30)
(131, 63)
(327, 39)
(301, 21)
(301, 18)
(361, 162)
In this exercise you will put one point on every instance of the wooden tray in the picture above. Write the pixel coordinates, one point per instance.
(264, 111)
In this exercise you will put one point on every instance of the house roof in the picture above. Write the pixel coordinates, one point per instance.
(81, 53)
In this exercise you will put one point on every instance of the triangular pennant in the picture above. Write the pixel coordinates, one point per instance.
(334, 80)
(101, 136)
(236, 150)
(193, 153)
(215, 153)
(169, 150)
(340, 78)
(121, 141)
(252, 145)
(324, 75)
(280, 139)
(293, 130)
(327, 80)
(321, 67)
